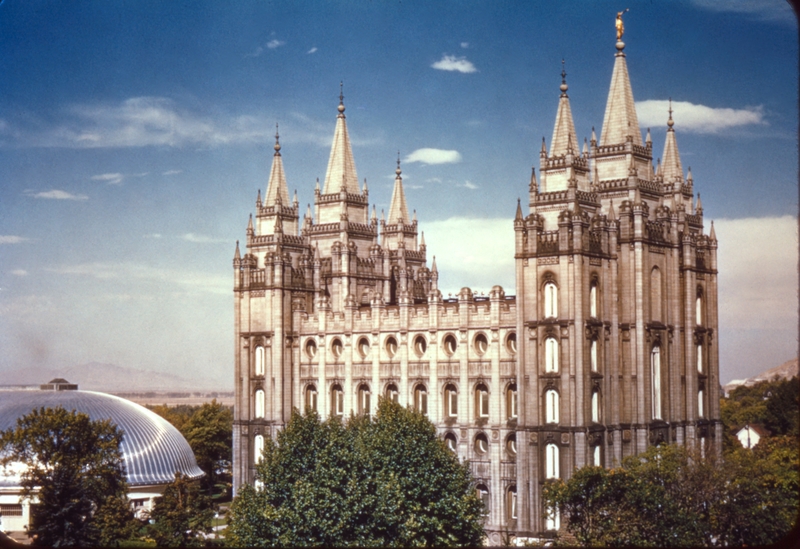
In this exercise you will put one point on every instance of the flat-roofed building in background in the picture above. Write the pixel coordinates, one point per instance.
(606, 347)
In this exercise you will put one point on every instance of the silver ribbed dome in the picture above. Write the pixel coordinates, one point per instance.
(152, 448)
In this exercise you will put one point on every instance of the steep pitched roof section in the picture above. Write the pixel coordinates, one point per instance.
(620, 118)
(671, 168)
(564, 130)
(341, 166)
(277, 180)
(398, 208)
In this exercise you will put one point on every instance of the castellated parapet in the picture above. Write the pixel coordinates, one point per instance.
(607, 347)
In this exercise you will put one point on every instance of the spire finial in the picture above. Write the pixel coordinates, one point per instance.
(341, 97)
(398, 171)
(564, 86)
(277, 140)
(620, 26)
(670, 122)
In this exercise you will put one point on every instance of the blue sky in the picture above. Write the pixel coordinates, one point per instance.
(134, 136)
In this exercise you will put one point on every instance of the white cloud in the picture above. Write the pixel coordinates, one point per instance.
(110, 178)
(468, 185)
(697, 118)
(453, 63)
(312, 50)
(434, 180)
(19, 272)
(465, 45)
(153, 235)
(11, 239)
(201, 239)
(255, 53)
(57, 194)
(434, 156)
(275, 43)
(760, 9)
(172, 172)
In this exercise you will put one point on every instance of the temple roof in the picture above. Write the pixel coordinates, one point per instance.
(620, 118)
(341, 166)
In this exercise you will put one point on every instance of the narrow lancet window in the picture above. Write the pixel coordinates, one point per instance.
(655, 384)
(260, 403)
(551, 406)
(260, 361)
(550, 355)
(550, 300)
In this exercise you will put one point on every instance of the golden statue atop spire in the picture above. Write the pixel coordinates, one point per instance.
(620, 26)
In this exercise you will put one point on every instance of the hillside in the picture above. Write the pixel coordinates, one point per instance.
(785, 371)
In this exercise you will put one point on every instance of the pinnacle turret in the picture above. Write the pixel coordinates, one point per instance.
(671, 170)
(564, 137)
(277, 187)
(398, 210)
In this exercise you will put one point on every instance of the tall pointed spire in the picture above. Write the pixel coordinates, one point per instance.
(671, 169)
(397, 208)
(341, 166)
(564, 130)
(277, 186)
(620, 118)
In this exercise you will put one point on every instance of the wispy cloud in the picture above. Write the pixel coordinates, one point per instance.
(19, 272)
(468, 185)
(434, 156)
(110, 178)
(57, 194)
(275, 43)
(312, 50)
(201, 239)
(465, 45)
(172, 172)
(12, 239)
(759, 9)
(453, 63)
(153, 235)
(697, 118)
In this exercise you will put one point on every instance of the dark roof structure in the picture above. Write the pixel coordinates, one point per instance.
(152, 448)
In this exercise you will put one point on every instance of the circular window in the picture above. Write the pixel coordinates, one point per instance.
(420, 345)
(511, 445)
(481, 444)
(450, 344)
(391, 346)
(311, 348)
(451, 442)
(363, 347)
(511, 343)
(481, 344)
(337, 348)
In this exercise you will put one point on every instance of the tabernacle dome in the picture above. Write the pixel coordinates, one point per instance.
(153, 450)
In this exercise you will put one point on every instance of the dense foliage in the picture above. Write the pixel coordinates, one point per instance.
(209, 431)
(669, 497)
(182, 515)
(75, 467)
(387, 481)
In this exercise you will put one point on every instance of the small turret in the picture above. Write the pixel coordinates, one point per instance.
(250, 230)
(237, 256)
(712, 234)
(533, 188)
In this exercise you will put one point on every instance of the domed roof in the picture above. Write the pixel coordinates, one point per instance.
(152, 448)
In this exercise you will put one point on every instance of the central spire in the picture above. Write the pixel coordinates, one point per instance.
(341, 166)
(620, 118)
(564, 135)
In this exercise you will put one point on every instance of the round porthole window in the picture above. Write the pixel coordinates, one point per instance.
(481, 444)
(337, 348)
(450, 344)
(363, 347)
(481, 344)
(451, 442)
(311, 348)
(420, 345)
(511, 445)
(511, 343)
(391, 346)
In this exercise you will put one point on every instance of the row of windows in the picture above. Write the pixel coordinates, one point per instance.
(550, 293)
(552, 520)
(480, 345)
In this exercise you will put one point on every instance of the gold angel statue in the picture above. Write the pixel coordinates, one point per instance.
(620, 26)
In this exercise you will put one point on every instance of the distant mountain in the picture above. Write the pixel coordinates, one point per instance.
(784, 371)
(110, 378)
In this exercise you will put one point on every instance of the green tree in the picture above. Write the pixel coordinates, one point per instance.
(182, 515)
(74, 466)
(209, 431)
(115, 522)
(382, 482)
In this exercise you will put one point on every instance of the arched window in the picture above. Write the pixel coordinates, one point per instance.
(421, 399)
(450, 344)
(311, 397)
(655, 294)
(700, 359)
(511, 343)
(258, 449)
(550, 300)
(593, 299)
(511, 445)
(481, 445)
(551, 406)
(700, 411)
(597, 459)
(550, 355)
(450, 401)
(483, 495)
(655, 384)
(511, 401)
(551, 461)
(420, 345)
(481, 401)
(511, 502)
(363, 399)
(552, 518)
(596, 406)
(363, 347)
(260, 403)
(593, 354)
(337, 400)
(391, 346)
(337, 348)
(698, 309)
(451, 442)
(481, 344)
(392, 393)
(260, 360)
